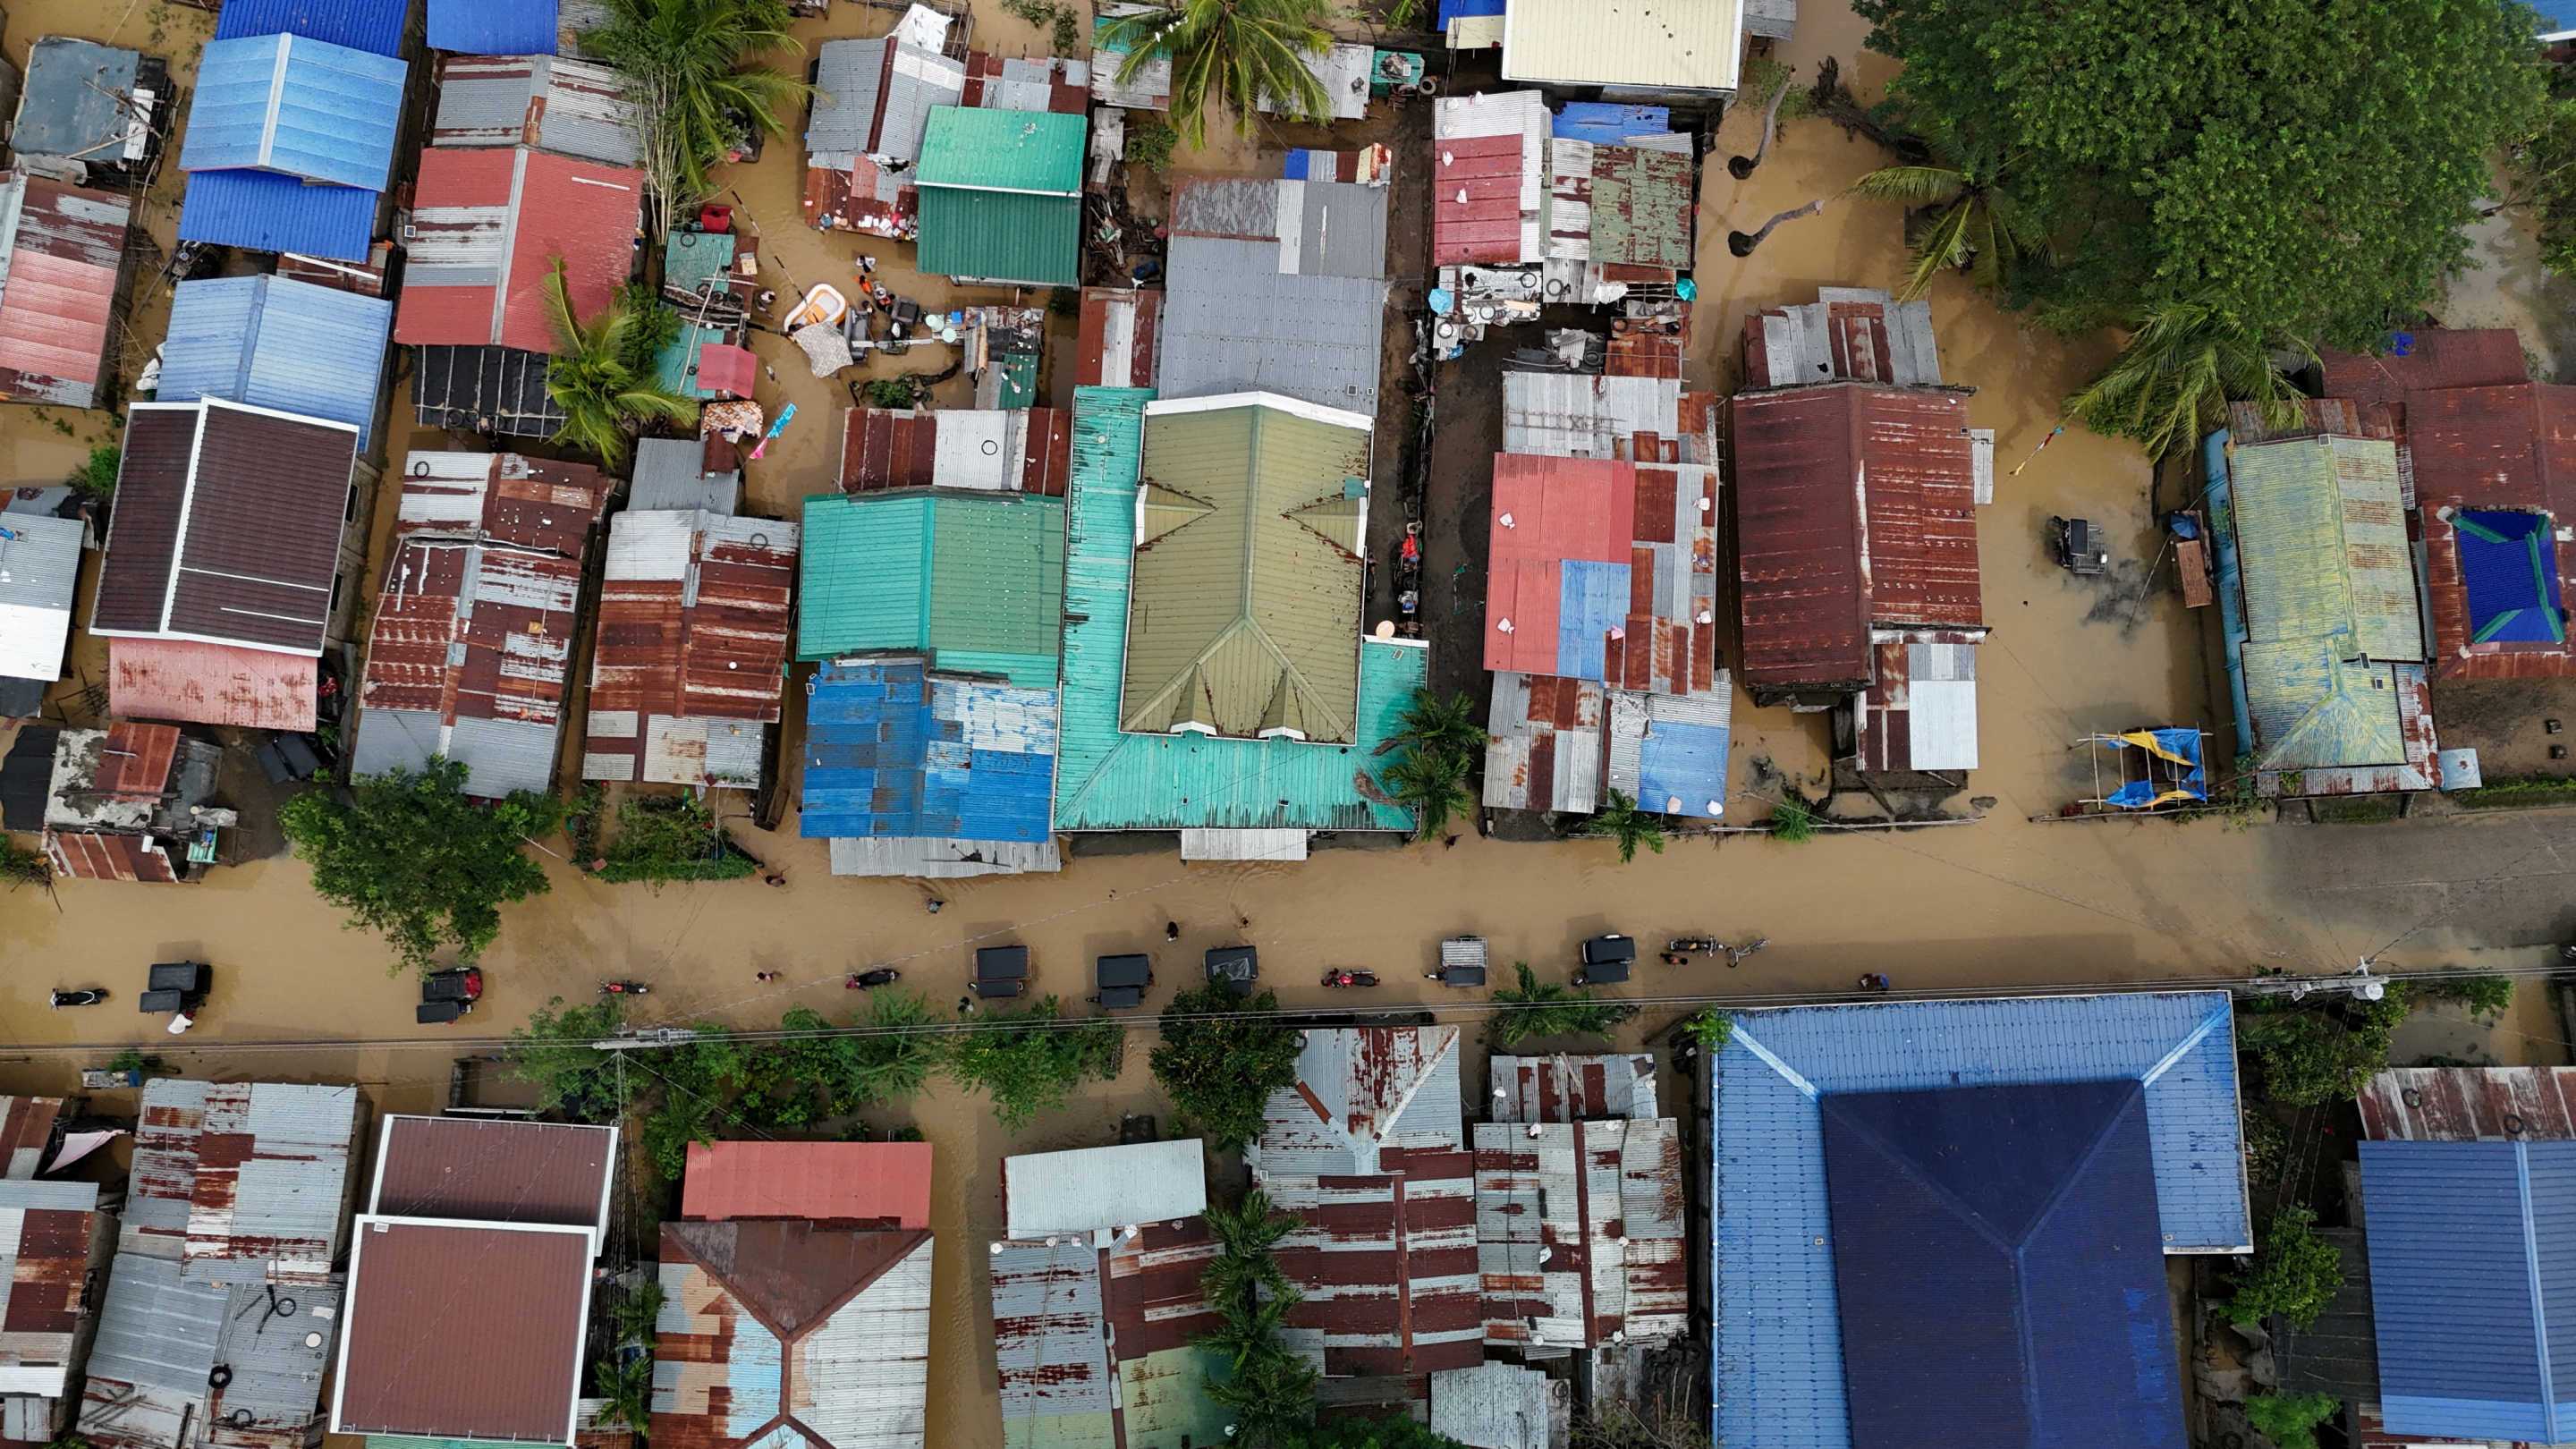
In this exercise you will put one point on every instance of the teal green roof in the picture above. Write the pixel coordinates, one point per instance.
(676, 357)
(1109, 780)
(1001, 236)
(691, 259)
(975, 580)
(1003, 150)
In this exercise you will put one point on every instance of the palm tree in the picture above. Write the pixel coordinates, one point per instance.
(1433, 785)
(1447, 725)
(2184, 362)
(692, 95)
(596, 381)
(1975, 224)
(1622, 821)
(1236, 52)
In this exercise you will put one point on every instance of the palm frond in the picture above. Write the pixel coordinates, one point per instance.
(1913, 185)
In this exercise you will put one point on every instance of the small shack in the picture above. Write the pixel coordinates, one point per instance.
(1001, 196)
(132, 802)
(62, 268)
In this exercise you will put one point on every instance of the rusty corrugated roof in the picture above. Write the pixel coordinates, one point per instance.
(2439, 357)
(433, 1306)
(26, 1129)
(1115, 343)
(1579, 1233)
(60, 252)
(694, 616)
(1571, 1088)
(84, 856)
(853, 1183)
(2470, 1104)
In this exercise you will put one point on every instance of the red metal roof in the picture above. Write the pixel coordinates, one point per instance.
(109, 857)
(2439, 358)
(1545, 511)
(500, 1309)
(470, 1169)
(884, 1184)
(885, 448)
(2470, 1104)
(727, 369)
(1802, 457)
(181, 679)
(511, 213)
(62, 270)
(1476, 201)
(135, 765)
(1115, 347)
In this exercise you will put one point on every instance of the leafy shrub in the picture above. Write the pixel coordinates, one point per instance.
(1793, 821)
(1027, 1063)
(1150, 145)
(2483, 994)
(1707, 1029)
(2294, 1273)
(2312, 1056)
(1550, 1009)
(663, 838)
(2290, 1421)
(97, 476)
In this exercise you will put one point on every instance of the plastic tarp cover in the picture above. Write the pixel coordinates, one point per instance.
(2509, 565)
(2179, 746)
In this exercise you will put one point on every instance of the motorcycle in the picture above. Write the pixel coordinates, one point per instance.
(86, 996)
(1688, 945)
(866, 980)
(623, 988)
(1408, 581)
(1350, 978)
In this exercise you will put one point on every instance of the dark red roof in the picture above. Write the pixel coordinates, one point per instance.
(110, 857)
(1476, 201)
(471, 1169)
(2440, 358)
(1093, 366)
(885, 1183)
(462, 1332)
(882, 448)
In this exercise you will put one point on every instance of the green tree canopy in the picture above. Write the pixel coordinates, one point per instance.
(1233, 52)
(574, 1080)
(2303, 166)
(693, 97)
(413, 858)
(1029, 1061)
(2295, 1273)
(1549, 1008)
(1221, 1058)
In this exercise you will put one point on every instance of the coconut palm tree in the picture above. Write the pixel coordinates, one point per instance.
(692, 95)
(1234, 52)
(1622, 821)
(1432, 784)
(597, 381)
(1448, 725)
(1973, 222)
(2184, 363)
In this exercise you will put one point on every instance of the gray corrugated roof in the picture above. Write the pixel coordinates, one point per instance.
(1232, 322)
(160, 1338)
(667, 477)
(844, 116)
(73, 102)
(1360, 1090)
(487, 101)
(504, 755)
(393, 739)
(1580, 415)
(1340, 226)
(1047, 1336)
(1496, 1406)
(941, 859)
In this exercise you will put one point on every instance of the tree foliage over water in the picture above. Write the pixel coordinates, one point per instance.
(413, 858)
(1221, 1058)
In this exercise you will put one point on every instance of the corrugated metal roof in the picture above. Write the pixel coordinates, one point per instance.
(1618, 205)
(1115, 347)
(1500, 1406)
(141, 858)
(471, 641)
(181, 679)
(112, 778)
(1579, 1234)
(693, 621)
(894, 751)
(975, 580)
(995, 236)
(272, 1172)
(1849, 334)
(314, 351)
(1108, 780)
(2470, 1104)
(671, 473)
(61, 253)
(48, 1234)
(74, 101)
(1604, 570)
(374, 26)
(492, 27)
(878, 1184)
(1048, 1342)
(1491, 186)
(1675, 748)
(1778, 1358)
(1571, 1088)
(988, 450)
(1093, 1342)
(263, 211)
(479, 262)
(474, 1169)
(1246, 588)
(1920, 710)
(2470, 1286)
(501, 1308)
(875, 98)
(1691, 46)
(26, 1132)
(160, 1338)
(1032, 83)
(296, 107)
(941, 859)
(1546, 746)
(39, 568)
(2439, 357)
(1091, 1189)
(788, 1330)
(1580, 415)
(569, 107)
(1363, 1092)
(1233, 321)
(993, 150)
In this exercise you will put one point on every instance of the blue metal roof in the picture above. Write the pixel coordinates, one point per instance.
(1997, 1259)
(1685, 763)
(274, 343)
(2473, 1287)
(493, 27)
(266, 212)
(1459, 9)
(892, 750)
(299, 107)
(1778, 1364)
(1604, 122)
(374, 26)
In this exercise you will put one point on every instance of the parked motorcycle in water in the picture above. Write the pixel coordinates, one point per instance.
(866, 980)
(85, 996)
(623, 988)
(1350, 978)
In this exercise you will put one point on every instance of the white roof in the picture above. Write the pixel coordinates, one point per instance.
(1684, 45)
(37, 569)
(1095, 1188)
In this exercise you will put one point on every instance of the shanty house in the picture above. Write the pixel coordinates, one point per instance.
(125, 803)
(989, 450)
(1579, 1234)
(471, 644)
(229, 562)
(711, 278)
(316, 352)
(1096, 1297)
(223, 1302)
(490, 227)
(515, 28)
(1856, 484)
(2325, 645)
(1369, 1148)
(1001, 196)
(39, 567)
(2013, 1170)
(290, 142)
(87, 112)
(973, 581)
(54, 1249)
(554, 104)
(474, 1253)
(1682, 51)
(1273, 287)
(863, 136)
(1498, 1405)
(796, 1297)
(62, 259)
(1230, 797)
(1491, 179)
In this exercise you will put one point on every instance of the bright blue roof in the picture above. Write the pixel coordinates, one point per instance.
(894, 752)
(274, 343)
(1609, 124)
(2473, 1287)
(2509, 570)
(493, 27)
(1778, 1365)
(266, 212)
(1997, 1259)
(1684, 762)
(295, 106)
(374, 26)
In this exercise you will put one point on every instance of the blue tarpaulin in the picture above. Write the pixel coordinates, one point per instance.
(493, 27)
(1604, 123)
(2187, 779)
(1457, 9)
(2509, 569)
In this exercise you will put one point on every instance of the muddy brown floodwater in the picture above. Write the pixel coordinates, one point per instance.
(1999, 902)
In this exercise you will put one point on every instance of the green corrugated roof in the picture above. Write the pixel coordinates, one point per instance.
(1003, 150)
(679, 354)
(1109, 780)
(1060, 1431)
(1640, 207)
(1166, 1401)
(690, 259)
(975, 579)
(1247, 583)
(1001, 236)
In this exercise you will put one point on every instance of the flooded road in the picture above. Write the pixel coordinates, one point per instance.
(2001, 901)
